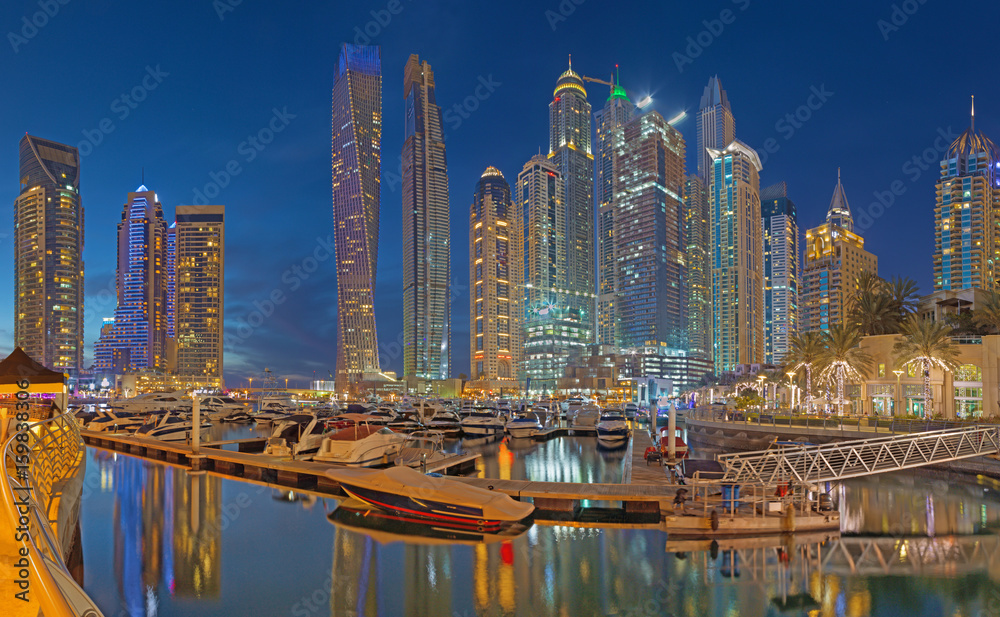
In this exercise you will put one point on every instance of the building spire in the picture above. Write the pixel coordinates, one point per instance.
(973, 113)
(571, 62)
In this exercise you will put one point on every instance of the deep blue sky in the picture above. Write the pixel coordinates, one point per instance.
(892, 91)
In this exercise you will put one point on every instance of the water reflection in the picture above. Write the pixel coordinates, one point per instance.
(561, 459)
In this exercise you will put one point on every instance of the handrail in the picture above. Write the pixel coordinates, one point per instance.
(56, 449)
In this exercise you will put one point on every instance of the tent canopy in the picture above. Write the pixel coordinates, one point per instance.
(19, 366)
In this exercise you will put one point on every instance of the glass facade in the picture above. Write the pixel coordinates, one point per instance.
(781, 271)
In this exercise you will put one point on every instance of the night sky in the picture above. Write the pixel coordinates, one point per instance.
(885, 80)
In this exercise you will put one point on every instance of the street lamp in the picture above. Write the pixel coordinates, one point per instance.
(763, 393)
(899, 393)
(791, 393)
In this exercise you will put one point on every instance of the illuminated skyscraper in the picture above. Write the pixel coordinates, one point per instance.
(48, 255)
(199, 285)
(569, 151)
(737, 258)
(716, 126)
(781, 271)
(496, 273)
(426, 233)
(834, 258)
(357, 135)
(138, 338)
(697, 223)
(618, 111)
(967, 214)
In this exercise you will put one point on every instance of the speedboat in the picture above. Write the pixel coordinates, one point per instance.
(388, 527)
(421, 447)
(482, 421)
(300, 434)
(612, 427)
(631, 409)
(362, 445)
(153, 401)
(168, 427)
(586, 417)
(219, 407)
(435, 498)
(406, 422)
(238, 417)
(446, 422)
(111, 422)
(524, 425)
(382, 416)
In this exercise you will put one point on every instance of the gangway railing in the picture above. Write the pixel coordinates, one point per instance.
(54, 451)
(863, 457)
(949, 555)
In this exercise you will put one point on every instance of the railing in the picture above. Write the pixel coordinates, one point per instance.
(55, 449)
(753, 500)
(872, 424)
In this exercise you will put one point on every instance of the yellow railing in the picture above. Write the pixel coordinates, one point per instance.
(32, 493)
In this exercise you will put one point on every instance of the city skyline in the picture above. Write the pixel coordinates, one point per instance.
(266, 253)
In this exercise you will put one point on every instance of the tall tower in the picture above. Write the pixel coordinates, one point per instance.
(569, 151)
(649, 232)
(199, 255)
(617, 112)
(967, 214)
(138, 339)
(357, 135)
(781, 271)
(834, 258)
(697, 226)
(716, 126)
(426, 230)
(496, 271)
(48, 255)
(737, 261)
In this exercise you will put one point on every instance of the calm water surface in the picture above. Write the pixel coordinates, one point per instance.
(160, 541)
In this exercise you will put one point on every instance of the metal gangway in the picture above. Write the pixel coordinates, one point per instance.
(863, 457)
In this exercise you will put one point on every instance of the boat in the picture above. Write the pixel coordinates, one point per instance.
(436, 498)
(168, 427)
(482, 421)
(421, 448)
(295, 436)
(388, 527)
(111, 422)
(238, 417)
(406, 422)
(612, 427)
(446, 422)
(587, 416)
(153, 401)
(631, 409)
(382, 416)
(219, 407)
(524, 425)
(361, 445)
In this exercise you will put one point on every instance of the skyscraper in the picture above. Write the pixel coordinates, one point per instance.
(967, 214)
(569, 151)
(737, 259)
(48, 255)
(834, 258)
(138, 338)
(618, 110)
(496, 271)
(426, 232)
(198, 250)
(357, 135)
(781, 271)
(697, 222)
(716, 126)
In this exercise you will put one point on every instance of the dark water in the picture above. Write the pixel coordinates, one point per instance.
(159, 540)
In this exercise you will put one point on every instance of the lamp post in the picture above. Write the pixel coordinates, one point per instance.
(763, 393)
(791, 392)
(250, 389)
(899, 393)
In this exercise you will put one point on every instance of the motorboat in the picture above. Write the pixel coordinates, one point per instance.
(482, 421)
(382, 416)
(387, 527)
(446, 422)
(432, 497)
(238, 417)
(631, 409)
(219, 407)
(586, 416)
(168, 427)
(421, 448)
(295, 436)
(406, 422)
(525, 425)
(612, 427)
(111, 422)
(153, 401)
(361, 445)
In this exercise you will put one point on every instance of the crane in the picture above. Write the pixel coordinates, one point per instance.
(642, 102)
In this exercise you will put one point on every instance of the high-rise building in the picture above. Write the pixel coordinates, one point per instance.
(737, 258)
(426, 232)
(48, 255)
(569, 151)
(967, 214)
(357, 135)
(781, 271)
(716, 126)
(618, 111)
(198, 252)
(697, 223)
(834, 258)
(138, 338)
(496, 274)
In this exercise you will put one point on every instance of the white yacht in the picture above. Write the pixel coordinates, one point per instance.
(525, 425)
(612, 427)
(219, 407)
(482, 421)
(362, 445)
(421, 448)
(168, 427)
(297, 435)
(153, 401)
(111, 422)
(446, 422)
(586, 416)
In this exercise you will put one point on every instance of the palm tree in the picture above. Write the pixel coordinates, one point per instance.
(844, 358)
(874, 312)
(905, 294)
(988, 314)
(927, 343)
(806, 352)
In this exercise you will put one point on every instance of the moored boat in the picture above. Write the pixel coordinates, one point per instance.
(362, 445)
(524, 425)
(612, 427)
